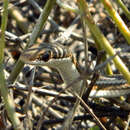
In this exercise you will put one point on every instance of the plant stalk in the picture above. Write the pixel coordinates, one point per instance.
(117, 19)
(8, 99)
(35, 33)
(102, 41)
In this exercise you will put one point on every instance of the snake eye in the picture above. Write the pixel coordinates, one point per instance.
(45, 56)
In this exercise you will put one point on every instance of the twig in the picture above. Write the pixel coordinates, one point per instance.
(67, 7)
(27, 121)
(43, 92)
(128, 123)
(53, 100)
(40, 103)
(90, 111)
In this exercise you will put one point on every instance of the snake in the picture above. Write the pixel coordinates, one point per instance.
(60, 58)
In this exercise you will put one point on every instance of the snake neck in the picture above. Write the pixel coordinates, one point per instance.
(69, 74)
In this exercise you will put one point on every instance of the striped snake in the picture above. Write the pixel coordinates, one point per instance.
(60, 58)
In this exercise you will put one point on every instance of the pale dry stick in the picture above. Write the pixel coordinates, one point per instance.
(128, 123)
(11, 36)
(29, 99)
(14, 38)
(90, 111)
(28, 102)
(67, 7)
(40, 103)
(64, 36)
(73, 35)
(122, 103)
(118, 53)
(42, 92)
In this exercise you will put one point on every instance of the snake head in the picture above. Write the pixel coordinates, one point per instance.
(46, 54)
(36, 53)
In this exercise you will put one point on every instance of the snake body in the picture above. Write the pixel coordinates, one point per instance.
(60, 58)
